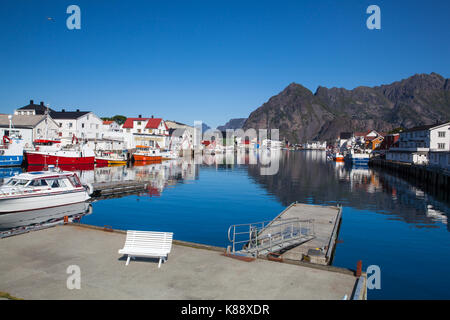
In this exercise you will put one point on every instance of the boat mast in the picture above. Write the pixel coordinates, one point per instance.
(46, 123)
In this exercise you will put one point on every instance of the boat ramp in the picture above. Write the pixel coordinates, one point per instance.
(301, 232)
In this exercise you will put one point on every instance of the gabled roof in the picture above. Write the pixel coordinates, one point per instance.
(153, 123)
(70, 115)
(39, 109)
(426, 127)
(128, 124)
(21, 121)
(107, 121)
(362, 134)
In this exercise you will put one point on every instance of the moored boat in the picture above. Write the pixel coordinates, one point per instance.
(145, 153)
(50, 152)
(357, 158)
(11, 152)
(169, 155)
(11, 149)
(338, 157)
(42, 189)
(109, 158)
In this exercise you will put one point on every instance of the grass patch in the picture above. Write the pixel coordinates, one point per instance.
(8, 296)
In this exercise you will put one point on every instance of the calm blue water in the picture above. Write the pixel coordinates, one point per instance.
(386, 221)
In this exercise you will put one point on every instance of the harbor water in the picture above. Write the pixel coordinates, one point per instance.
(386, 222)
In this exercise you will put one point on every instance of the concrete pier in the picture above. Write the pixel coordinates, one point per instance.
(326, 222)
(34, 266)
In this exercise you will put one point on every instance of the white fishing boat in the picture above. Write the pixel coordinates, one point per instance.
(169, 154)
(42, 189)
(357, 158)
(11, 149)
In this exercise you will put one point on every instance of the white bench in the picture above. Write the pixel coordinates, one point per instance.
(147, 244)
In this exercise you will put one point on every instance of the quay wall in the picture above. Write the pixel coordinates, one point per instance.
(432, 179)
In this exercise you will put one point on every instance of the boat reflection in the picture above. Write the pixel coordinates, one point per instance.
(20, 222)
(305, 177)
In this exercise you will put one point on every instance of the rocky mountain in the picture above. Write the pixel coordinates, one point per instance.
(233, 124)
(301, 115)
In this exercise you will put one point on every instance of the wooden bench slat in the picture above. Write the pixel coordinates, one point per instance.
(147, 244)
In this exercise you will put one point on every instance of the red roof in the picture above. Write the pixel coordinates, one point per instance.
(153, 123)
(129, 122)
(107, 122)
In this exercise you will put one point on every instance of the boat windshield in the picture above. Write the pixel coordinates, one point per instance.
(17, 182)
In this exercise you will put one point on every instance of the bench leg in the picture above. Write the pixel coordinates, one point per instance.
(159, 264)
(128, 261)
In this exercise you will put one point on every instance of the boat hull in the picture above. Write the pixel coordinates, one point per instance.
(33, 158)
(106, 162)
(40, 216)
(42, 201)
(11, 160)
(358, 160)
(139, 157)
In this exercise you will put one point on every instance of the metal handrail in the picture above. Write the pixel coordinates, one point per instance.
(287, 229)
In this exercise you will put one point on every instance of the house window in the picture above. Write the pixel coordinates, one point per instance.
(139, 123)
(139, 130)
(70, 124)
(441, 145)
(441, 134)
(82, 125)
(128, 130)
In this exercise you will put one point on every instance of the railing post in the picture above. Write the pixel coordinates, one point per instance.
(234, 238)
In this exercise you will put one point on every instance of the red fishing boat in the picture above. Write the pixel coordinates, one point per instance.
(50, 152)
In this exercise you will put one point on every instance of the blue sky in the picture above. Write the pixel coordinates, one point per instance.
(209, 60)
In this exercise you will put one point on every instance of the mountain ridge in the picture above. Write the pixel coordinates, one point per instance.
(302, 115)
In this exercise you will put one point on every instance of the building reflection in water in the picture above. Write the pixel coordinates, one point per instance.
(307, 177)
(303, 176)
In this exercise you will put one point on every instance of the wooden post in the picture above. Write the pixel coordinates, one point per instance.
(359, 268)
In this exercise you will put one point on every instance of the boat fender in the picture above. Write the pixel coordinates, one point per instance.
(90, 188)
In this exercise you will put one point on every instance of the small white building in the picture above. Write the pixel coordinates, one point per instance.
(415, 144)
(32, 109)
(29, 128)
(151, 132)
(315, 145)
(109, 125)
(84, 125)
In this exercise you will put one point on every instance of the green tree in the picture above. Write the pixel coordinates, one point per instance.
(117, 118)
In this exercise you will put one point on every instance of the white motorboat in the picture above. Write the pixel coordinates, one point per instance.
(169, 154)
(41, 217)
(42, 189)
